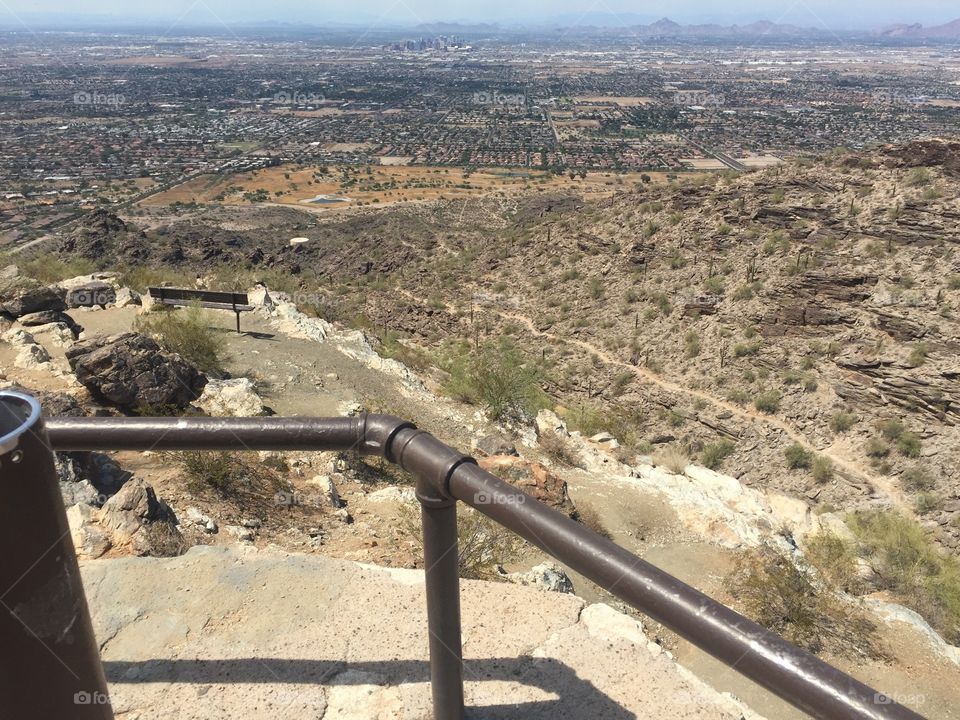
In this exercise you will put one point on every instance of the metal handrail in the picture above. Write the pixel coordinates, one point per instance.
(444, 476)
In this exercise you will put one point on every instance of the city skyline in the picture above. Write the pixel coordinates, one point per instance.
(410, 13)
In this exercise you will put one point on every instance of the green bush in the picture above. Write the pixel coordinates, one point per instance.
(909, 445)
(842, 421)
(786, 599)
(908, 565)
(798, 457)
(229, 474)
(917, 479)
(499, 379)
(822, 469)
(188, 333)
(891, 429)
(768, 401)
(52, 268)
(714, 454)
(484, 546)
(835, 561)
(746, 349)
(876, 448)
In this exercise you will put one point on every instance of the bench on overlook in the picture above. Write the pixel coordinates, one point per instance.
(213, 299)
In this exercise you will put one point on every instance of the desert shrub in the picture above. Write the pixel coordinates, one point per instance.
(768, 401)
(714, 285)
(909, 445)
(746, 349)
(499, 379)
(621, 422)
(229, 474)
(927, 502)
(411, 356)
(798, 457)
(484, 546)
(556, 448)
(786, 599)
(691, 343)
(621, 383)
(714, 454)
(50, 268)
(919, 177)
(141, 277)
(673, 458)
(587, 516)
(835, 561)
(188, 333)
(918, 355)
(917, 479)
(891, 429)
(822, 469)
(842, 421)
(876, 448)
(907, 564)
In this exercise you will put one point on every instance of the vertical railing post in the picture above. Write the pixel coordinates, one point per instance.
(51, 663)
(441, 563)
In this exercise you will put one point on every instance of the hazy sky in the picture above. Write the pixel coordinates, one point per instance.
(832, 13)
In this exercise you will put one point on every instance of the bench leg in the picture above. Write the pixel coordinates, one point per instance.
(238, 323)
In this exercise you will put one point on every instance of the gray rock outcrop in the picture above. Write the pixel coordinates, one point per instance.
(132, 372)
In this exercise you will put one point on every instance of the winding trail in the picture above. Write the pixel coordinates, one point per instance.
(882, 485)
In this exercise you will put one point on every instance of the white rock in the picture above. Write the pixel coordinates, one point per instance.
(394, 494)
(891, 612)
(127, 297)
(17, 337)
(260, 297)
(235, 397)
(548, 576)
(31, 357)
(58, 334)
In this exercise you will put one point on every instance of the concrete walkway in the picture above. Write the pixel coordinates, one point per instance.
(242, 633)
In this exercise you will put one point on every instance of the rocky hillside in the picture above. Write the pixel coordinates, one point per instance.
(808, 305)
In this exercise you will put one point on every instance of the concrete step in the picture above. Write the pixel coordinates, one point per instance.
(232, 632)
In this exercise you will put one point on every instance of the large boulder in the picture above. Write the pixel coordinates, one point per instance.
(21, 296)
(132, 372)
(48, 317)
(95, 293)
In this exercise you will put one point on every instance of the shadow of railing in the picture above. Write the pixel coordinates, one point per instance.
(574, 698)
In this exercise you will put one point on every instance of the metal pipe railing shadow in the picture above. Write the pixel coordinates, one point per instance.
(445, 476)
(574, 698)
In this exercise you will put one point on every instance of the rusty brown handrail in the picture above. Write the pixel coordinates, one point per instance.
(444, 476)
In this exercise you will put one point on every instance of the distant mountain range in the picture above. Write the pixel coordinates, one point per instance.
(948, 31)
(667, 28)
(567, 23)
